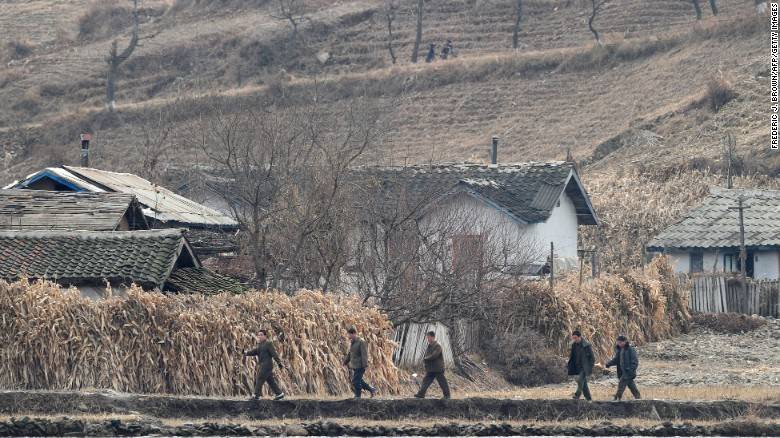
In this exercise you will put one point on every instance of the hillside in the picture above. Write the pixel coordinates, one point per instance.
(635, 111)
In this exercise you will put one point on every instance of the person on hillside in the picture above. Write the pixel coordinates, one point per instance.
(266, 355)
(446, 50)
(434, 368)
(627, 362)
(357, 361)
(431, 53)
(581, 361)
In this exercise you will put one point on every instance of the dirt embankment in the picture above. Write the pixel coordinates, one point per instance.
(475, 409)
(73, 427)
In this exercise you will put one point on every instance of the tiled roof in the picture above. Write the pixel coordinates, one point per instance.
(82, 257)
(527, 191)
(715, 223)
(159, 204)
(23, 210)
(202, 280)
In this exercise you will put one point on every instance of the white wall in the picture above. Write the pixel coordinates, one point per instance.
(560, 228)
(766, 264)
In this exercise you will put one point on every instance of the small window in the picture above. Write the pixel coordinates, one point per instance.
(730, 263)
(697, 262)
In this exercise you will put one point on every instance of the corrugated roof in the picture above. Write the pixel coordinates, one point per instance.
(86, 257)
(715, 223)
(160, 203)
(527, 191)
(44, 210)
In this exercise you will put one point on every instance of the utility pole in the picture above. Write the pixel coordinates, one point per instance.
(742, 249)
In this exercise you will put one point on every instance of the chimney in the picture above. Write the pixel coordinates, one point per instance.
(85, 138)
(494, 151)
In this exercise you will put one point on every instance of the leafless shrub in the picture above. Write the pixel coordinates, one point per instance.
(525, 358)
(103, 19)
(719, 93)
(18, 49)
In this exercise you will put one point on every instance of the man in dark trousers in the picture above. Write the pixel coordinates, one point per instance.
(434, 367)
(266, 355)
(581, 362)
(357, 361)
(627, 363)
(431, 53)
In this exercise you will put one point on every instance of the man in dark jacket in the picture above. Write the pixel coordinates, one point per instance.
(266, 355)
(581, 362)
(627, 363)
(357, 361)
(434, 367)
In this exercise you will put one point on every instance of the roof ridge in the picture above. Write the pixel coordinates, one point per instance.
(143, 234)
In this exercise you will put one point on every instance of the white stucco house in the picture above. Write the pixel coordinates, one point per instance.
(523, 204)
(707, 239)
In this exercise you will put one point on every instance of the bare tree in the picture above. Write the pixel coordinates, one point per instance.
(518, 18)
(418, 35)
(282, 175)
(596, 7)
(115, 58)
(155, 132)
(697, 8)
(294, 12)
(390, 11)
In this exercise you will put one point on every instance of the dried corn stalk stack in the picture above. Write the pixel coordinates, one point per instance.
(52, 338)
(645, 306)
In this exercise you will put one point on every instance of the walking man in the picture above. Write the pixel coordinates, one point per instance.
(627, 363)
(357, 361)
(431, 53)
(266, 355)
(434, 368)
(581, 362)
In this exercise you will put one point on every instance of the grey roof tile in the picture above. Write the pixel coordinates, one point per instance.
(527, 191)
(715, 222)
(82, 257)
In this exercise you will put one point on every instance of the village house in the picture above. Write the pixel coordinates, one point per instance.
(533, 208)
(209, 231)
(24, 210)
(533, 203)
(91, 260)
(707, 239)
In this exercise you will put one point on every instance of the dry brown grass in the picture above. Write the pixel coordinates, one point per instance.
(182, 344)
(645, 305)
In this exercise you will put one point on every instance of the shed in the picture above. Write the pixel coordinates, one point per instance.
(162, 207)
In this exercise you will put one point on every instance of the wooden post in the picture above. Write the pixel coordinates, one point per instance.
(594, 264)
(552, 267)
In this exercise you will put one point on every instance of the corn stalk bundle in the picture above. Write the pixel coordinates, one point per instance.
(52, 338)
(645, 306)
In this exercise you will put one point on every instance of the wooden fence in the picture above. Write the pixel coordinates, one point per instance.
(412, 344)
(718, 294)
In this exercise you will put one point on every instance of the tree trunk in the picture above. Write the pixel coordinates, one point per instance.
(518, 18)
(418, 36)
(592, 19)
(714, 7)
(390, 35)
(697, 8)
(111, 78)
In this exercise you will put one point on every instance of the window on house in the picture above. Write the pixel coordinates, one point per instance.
(697, 262)
(730, 263)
